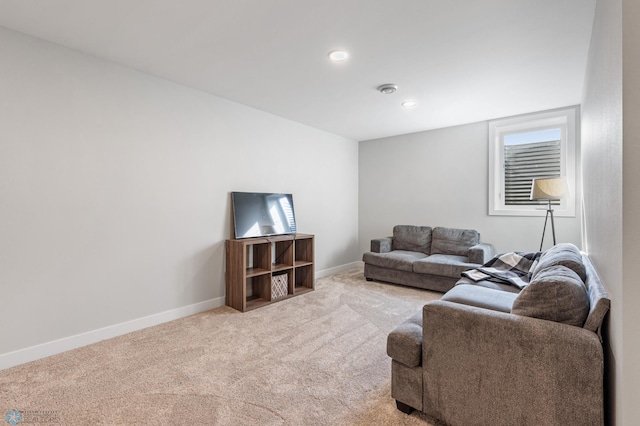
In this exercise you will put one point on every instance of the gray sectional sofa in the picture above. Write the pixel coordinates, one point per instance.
(423, 257)
(491, 354)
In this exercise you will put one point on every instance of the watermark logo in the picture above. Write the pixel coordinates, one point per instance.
(13, 417)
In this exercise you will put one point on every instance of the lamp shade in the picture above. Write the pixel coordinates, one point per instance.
(549, 188)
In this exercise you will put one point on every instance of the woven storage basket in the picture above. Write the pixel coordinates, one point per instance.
(279, 284)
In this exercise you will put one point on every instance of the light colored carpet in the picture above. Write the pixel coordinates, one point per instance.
(316, 359)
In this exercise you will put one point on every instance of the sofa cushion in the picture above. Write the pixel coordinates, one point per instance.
(557, 294)
(453, 241)
(564, 254)
(404, 344)
(481, 297)
(412, 238)
(489, 284)
(445, 265)
(396, 259)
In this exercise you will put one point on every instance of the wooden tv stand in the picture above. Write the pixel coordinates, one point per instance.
(252, 264)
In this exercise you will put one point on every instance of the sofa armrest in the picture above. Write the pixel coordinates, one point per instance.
(481, 253)
(487, 367)
(381, 245)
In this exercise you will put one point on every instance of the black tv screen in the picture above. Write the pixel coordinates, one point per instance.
(258, 214)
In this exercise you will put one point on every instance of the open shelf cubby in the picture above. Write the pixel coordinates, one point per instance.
(263, 270)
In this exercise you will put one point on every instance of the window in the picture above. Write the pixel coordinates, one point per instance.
(527, 147)
(526, 156)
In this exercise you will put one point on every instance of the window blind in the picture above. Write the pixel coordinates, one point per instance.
(522, 163)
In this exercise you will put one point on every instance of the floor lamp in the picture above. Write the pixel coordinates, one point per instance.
(548, 189)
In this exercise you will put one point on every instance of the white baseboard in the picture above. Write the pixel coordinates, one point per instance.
(32, 353)
(336, 269)
(43, 350)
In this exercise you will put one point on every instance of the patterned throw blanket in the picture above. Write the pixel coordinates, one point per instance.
(512, 268)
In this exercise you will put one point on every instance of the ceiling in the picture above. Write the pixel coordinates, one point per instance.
(462, 60)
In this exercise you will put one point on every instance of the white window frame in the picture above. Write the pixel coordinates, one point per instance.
(564, 119)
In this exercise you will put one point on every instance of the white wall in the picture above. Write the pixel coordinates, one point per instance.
(631, 209)
(602, 170)
(611, 155)
(114, 192)
(440, 178)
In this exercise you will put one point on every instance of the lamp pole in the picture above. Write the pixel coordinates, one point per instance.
(553, 228)
(550, 188)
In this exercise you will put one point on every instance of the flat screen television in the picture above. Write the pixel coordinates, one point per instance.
(257, 214)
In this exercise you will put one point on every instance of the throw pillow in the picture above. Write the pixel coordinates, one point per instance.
(556, 294)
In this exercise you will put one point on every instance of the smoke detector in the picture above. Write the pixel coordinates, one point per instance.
(387, 89)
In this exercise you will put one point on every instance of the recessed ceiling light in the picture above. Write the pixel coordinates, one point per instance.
(338, 55)
(387, 89)
(408, 104)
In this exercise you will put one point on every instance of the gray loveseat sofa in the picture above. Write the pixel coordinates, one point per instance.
(423, 257)
(489, 354)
